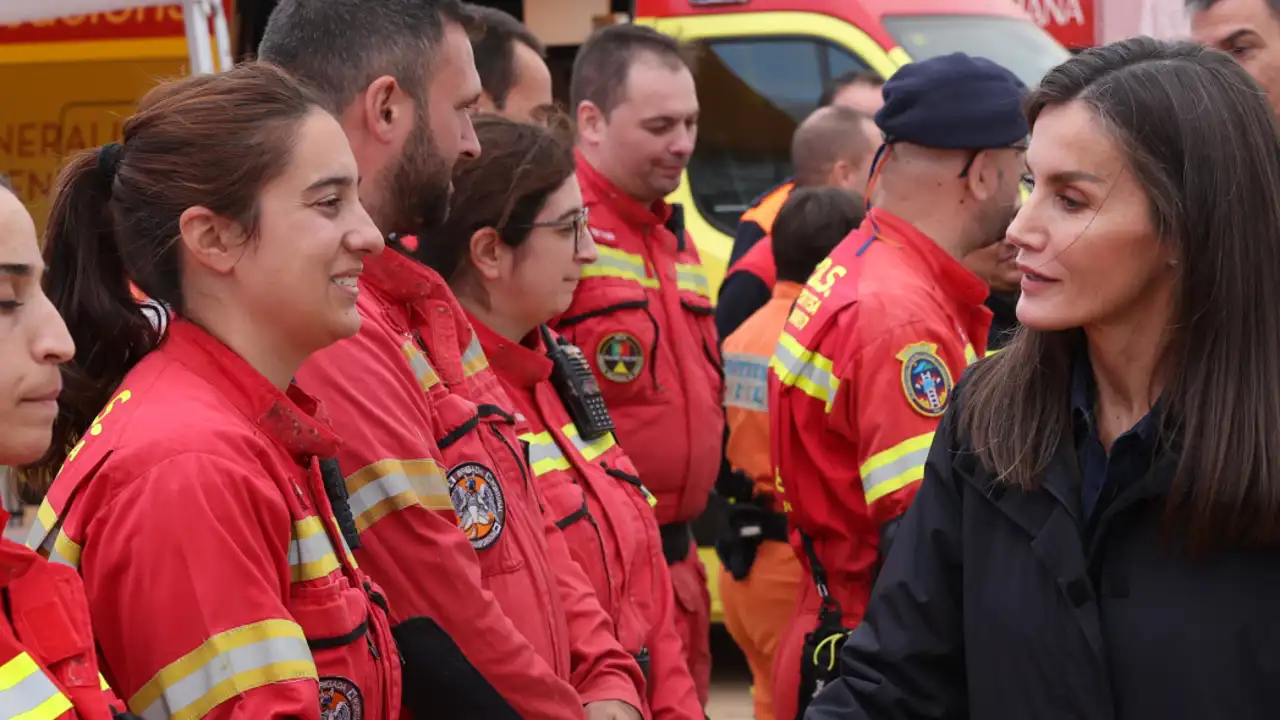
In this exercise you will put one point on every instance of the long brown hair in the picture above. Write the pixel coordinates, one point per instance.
(519, 166)
(1201, 139)
(210, 140)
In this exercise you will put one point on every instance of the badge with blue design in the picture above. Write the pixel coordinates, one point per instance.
(925, 379)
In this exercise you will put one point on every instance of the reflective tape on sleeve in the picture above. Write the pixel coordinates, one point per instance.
(473, 359)
(390, 485)
(311, 554)
(544, 454)
(226, 665)
(422, 370)
(26, 693)
(893, 469)
(805, 370)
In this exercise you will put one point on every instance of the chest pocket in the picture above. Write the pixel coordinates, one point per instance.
(46, 616)
(695, 301)
(613, 322)
(483, 463)
(345, 631)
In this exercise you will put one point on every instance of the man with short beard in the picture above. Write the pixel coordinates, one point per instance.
(498, 622)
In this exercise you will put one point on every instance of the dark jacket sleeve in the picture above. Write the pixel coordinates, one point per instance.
(748, 234)
(905, 661)
(741, 294)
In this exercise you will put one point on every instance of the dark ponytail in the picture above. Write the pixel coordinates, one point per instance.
(209, 140)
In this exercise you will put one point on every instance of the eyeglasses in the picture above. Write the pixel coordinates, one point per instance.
(578, 222)
(1020, 147)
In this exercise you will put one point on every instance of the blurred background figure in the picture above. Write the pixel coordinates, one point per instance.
(760, 582)
(833, 147)
(997, 265)
(1119, 457)
(857, 90)
(511, 63)
(513, 248)
(1248, 30)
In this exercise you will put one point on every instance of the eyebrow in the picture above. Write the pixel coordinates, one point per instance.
(471, 101)
(1074, 176)
(568, 214)
(670, 118)
(1237, 35)
(15, 269)
(337, 181)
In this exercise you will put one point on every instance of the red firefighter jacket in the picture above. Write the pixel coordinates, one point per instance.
(450, 520)
(217, 578)
(594, 494)
(642, 313)
(758, 261)
(862, 372)
(48, 662)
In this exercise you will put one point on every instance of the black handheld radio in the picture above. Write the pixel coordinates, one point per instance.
(577, 387)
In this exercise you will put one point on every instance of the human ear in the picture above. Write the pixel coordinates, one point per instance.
(211, 240)
(381, 107)
(488, 254)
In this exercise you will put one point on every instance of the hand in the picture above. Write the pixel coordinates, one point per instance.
(611, 710)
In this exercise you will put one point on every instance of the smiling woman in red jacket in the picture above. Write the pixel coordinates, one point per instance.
(512, 250)
(48, 667)
(191, 496)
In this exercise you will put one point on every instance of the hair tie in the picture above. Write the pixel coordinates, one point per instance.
(109, 160)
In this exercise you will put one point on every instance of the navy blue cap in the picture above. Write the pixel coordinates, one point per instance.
(954, 102)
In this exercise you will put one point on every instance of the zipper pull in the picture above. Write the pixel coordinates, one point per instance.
(373, 649)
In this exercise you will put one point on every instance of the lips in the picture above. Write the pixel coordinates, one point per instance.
(1031, 274)
(49, 394)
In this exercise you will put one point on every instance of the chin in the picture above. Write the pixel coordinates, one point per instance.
(347, 325)
(1044, 316)
(23, 445)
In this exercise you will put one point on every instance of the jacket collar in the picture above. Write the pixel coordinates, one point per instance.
(294, 419)
(401, 278)
(596, 188)
(523, 364)
(956, 280)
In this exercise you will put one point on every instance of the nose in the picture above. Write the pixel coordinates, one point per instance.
(1025, 232)
(468, 143)
(586, 247)
(52, 343)
(364, 238)
(682, 146)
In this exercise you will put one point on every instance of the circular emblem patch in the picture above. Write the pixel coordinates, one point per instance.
(478, 502)
(620, 357)
(340, 699)
(925, 379)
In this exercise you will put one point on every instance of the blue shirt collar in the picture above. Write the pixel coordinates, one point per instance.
(1084, 391)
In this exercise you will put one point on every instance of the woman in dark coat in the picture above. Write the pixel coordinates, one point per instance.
(1097, 532)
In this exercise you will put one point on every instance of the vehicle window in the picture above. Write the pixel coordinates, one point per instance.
(753, 93)
(1017, 44)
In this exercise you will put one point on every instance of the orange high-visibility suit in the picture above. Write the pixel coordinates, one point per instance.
(758, 607)
(862, 373)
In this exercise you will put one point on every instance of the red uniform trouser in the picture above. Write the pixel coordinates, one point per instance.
(757, 611)
(693, 617)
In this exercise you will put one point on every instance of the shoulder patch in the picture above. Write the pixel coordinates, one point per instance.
(620, 357)
(925, 379)
(340, 699)
(479, 503)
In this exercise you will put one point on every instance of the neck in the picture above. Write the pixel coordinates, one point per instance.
(930, 219)
(268, 353)
(1125, 356)
(504, 326)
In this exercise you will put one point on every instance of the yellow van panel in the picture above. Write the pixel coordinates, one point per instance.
(53, 110)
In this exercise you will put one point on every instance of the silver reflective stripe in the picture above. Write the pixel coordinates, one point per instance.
(27, 693)
(800, 370)
(229, 673)
(893, 469)
(63, 550)
(746, 381)
(40, 536)
(693, 279)
(589, 450)
(473, 359)
(311, 554)
(389, 485)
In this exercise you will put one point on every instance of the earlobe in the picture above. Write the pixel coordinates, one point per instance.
(210, 240)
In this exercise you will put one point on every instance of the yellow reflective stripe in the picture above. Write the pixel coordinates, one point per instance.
(227, 664)
(311, 554)
(805, 370)
(693, 279)
(65, 550)
(386, 486)
(26, 693)
(589, 450)
(893, 469)
(970, 355)
(544, 454)
(42, 528)
(102, 683)
(473, 359)
(614, 263)
(422, 369)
